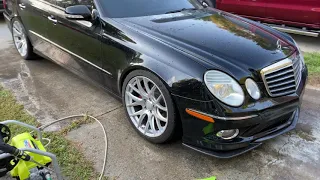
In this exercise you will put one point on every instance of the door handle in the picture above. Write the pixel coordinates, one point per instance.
(52, 19)
(22, 6)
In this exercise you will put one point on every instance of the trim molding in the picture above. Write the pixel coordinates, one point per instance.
(6, 16)
(225, 118)
(64, 49)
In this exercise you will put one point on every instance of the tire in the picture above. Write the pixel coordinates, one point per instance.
(210, 3)
(18, 32)
(159, 96)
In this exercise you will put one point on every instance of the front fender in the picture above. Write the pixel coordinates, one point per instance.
(187, 83)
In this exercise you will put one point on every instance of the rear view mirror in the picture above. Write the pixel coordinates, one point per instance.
(78, 12)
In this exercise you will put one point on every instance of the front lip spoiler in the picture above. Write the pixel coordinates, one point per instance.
(291, 124)
(224, 154)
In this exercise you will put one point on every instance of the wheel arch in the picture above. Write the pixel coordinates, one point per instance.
(153, 66)
(126, 72)
(164, 78)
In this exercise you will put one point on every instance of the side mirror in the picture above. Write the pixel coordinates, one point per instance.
(78, 12)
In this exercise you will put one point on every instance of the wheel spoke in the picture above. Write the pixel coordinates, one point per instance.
(158, 123)
(161, 107)
(24, 48)
(142, 111)
(159, 116)
(16, 41)
(151, 92)
(135, 98)
(134, 88)
(24, 45)
(146, 128)
(137, 103)
(20, 44)
(153, 88)
(17, 31)
(140, 119)
(143, 93)
(157, 101)
(146, 85)
(153, 128)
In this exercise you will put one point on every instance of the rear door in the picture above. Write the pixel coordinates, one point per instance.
(296, 11)
(33, 14)
(76, 43)
(249, 8)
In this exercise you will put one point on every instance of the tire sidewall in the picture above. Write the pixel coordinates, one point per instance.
(169, 132)
(29, 53)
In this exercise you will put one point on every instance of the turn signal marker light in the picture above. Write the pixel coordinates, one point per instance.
(200, 115)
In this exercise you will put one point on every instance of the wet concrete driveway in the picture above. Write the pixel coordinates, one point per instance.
(50, 92)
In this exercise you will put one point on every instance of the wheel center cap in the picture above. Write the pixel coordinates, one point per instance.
(149, 105)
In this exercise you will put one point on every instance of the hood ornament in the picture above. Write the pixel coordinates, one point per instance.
(279, 46)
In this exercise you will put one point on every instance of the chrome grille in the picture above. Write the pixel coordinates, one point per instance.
(297, 66)
(282, 78)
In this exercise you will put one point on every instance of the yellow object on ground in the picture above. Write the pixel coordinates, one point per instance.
(210, 178)
(25, 140)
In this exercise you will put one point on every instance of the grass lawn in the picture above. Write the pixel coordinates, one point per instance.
(71, 160)
(313, 62)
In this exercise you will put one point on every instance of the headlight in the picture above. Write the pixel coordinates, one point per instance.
(224, 87)
(253, 89)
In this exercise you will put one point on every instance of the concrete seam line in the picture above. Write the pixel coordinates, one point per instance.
(109, 111)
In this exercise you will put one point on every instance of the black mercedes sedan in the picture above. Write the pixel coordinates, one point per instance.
(225, 83)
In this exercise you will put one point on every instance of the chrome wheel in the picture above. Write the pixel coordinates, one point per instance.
(19, 38)
(146, 106)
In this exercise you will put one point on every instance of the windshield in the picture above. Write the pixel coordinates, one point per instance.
(134, 8)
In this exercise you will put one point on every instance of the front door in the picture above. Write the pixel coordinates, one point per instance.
(33, 14)
(76, 43)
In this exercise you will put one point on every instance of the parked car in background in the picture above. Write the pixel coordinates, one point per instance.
(1, 6)
(292, 16)
(224, 83)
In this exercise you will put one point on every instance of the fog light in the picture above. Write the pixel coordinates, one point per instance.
(253, 89)
(228, 134)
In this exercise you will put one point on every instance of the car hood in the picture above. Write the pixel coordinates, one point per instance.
(217, 39)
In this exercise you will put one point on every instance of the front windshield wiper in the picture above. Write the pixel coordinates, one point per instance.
(180, 10)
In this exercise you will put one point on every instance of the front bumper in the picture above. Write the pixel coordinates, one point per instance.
(252, 142)
(266, 119)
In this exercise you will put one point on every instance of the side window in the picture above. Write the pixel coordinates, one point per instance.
(67, 3)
